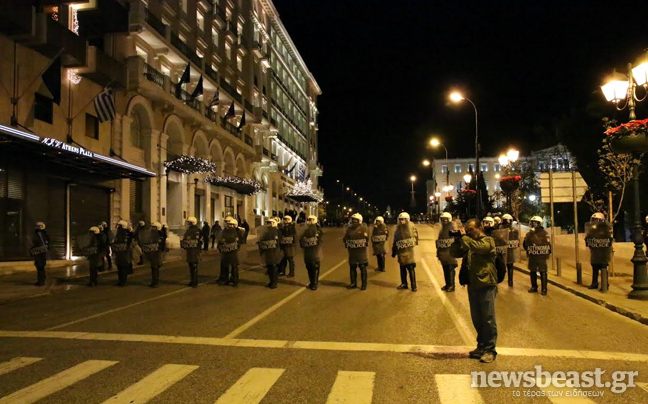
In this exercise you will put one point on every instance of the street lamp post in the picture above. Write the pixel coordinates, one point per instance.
(505, 160)
(434, 142)
(467, 178)
(412, 199)
(623, 88)
(456, 97)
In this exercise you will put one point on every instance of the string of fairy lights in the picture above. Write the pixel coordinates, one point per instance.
(239, 184)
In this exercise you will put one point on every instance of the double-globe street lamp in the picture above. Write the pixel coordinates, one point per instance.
(623, 88)
(457, 97)
(506, 160)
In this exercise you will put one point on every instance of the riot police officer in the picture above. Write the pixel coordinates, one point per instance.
(287, 242)
(270, 251)
(191, 244)
(39, 249)
(121, 248)
(229, 242)
(599, 241)
(513, 254)
(379, 237)
(106, 231)
(443, 243)
(311, 242)
(405, 239)
(152, 246)
(538, 247)
(95, 254)
(356, 240)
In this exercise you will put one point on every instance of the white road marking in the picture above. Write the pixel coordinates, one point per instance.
(352, 388)
(456, 389)
(324, 345)
(152, 385)
(467, 334)
(272, 309)
(251, 387)
(56, 383)
(57, 327)
(16, 363)
(558, 395)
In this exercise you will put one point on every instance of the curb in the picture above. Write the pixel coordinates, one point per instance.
(614, 308)
(112, 271)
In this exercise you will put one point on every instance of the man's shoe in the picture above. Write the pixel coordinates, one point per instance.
(402, 286)
(352, 286)
(476, 353)
(488, 357)
(533, 290)
(444, 288)
(593, 286)
(450, 289)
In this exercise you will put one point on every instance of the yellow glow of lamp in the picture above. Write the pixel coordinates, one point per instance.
(426, 163)
(413, 178)
(503, 160)
(467, 178)
(456, 97)
(640, 73)
(434, 142)
(513, 155)
(616, 87)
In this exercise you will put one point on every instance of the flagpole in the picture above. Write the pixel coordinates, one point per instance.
(92, 99)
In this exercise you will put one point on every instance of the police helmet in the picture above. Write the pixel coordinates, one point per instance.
(598, 217)
(446, 217)
(40, 225)
(312, 218)
(157, 225)
(95, 230)
(190, 220)
(287, 219)
(379, 219)
(231, 222)
(357, 216)
(123, 224)
(404, 216)
(537, 220)
(488, 221)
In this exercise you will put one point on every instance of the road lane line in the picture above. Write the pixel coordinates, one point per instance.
(456, 389)
(103, 313)
(272, 309)
(352, 388)
(56, 383)
(251, 387)
(558, 395)
(467, 335)
(326, 345)
(16, 363)
(152, 385)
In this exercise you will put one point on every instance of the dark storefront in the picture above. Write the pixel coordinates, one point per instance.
(69, 189)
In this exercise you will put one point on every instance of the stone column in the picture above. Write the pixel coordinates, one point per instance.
(162, 211)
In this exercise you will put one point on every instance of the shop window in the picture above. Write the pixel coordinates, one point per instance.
(92, 126)
(229, 205)
(136, 131)
(43, 108)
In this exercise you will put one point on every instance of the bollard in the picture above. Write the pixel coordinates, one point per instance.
(558, 267)
(579, 273)
(604, 280)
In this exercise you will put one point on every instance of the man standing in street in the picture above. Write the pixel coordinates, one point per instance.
(191, 244)
(443, 244)
(599, 241)
(245, 226)
(205, 235)
(379, 237)
(405, 239)
(40, 247)
(287, 241)
(229, 243)
(537, 244)
(356, 240)
(513, 252)
(482, 286)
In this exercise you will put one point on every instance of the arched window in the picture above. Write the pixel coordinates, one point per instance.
(136, 131)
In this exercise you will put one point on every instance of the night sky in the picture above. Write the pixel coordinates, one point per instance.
(386, 69)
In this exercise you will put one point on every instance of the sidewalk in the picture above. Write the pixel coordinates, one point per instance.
(615, 299)
(19, 284)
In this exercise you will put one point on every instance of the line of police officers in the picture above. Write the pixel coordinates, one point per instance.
(277, 244)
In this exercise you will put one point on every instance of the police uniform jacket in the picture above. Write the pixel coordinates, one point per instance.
(443, 244)
(405, 239)
(154, 248)
(193, 236)
(311, 242)
(356, 240)
(229, 242)
(269, 246)
(96, 259)
(288, 239)
(41, 239)
(513, 243)
(599, 241)
(379, 238)
(538, 248)
(122, 247)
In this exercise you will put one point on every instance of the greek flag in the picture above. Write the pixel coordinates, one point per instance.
(302, 173)
(105, 105)
(215, 100)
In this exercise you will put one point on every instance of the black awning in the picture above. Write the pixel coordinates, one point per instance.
(69, 155)
(303, 198)
(238, 184)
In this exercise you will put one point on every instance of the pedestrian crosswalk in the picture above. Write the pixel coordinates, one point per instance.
(252, 387)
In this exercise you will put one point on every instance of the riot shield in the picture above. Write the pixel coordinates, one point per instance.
(513, 246)
(86, 244)
(149, 240)
(501, 237)
(268, 238)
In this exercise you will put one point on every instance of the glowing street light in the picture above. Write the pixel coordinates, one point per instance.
(456, 97)
(467, 178)
(426, 162)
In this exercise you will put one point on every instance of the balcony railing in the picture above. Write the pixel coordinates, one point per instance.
(288, 93)
(232, 129)
(153, 75)
(185, 49)
(155, 23)
(231, 90)
(213, 74)
(185, 97)
(211, 115)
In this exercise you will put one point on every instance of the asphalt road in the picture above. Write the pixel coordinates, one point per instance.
(291, 345)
